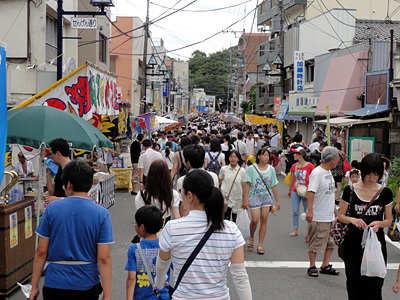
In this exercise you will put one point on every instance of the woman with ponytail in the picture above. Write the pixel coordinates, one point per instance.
(225, 245)
(168, 155)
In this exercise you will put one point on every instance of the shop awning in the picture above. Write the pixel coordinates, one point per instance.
(367, 111)
(343, 83)
(348, 122)
(258, 120)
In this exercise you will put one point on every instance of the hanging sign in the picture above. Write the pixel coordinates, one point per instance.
(298, 71)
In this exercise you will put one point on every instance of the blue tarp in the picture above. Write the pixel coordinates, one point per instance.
(201, 108)
(3, 110)
(367, 111)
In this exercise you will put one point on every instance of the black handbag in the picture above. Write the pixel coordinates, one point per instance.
(190, 259)
(393, 231)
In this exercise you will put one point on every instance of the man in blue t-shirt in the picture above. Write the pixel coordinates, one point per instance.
(138, 284)
(75, 237)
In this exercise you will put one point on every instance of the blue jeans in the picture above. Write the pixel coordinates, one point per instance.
(296, 199)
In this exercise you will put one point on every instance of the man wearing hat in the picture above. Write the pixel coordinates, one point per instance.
(317, 132)
(275, 137)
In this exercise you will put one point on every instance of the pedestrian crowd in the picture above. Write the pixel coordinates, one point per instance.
(189, 188)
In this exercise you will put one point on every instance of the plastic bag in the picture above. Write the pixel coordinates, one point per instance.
(26, 289)
(373, 263)
(243, 223)
(287, 178)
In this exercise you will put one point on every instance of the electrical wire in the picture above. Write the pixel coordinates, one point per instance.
(204, 10)
(168, 9)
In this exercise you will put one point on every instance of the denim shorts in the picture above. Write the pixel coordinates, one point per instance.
(260, 201)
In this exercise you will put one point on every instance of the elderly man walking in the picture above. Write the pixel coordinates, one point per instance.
(321, 212)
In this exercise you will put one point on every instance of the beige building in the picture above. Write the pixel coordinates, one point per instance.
(126, 54)
(30, 32)
(96, 52)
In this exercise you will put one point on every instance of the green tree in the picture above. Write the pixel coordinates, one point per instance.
(210, 72)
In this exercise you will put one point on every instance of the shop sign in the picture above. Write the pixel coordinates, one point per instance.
(13, 230)
(28, 222)
(298, 71)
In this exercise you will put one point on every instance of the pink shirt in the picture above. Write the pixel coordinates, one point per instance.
(301, 175)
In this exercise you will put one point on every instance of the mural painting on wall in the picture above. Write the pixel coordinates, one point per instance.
(89, 92)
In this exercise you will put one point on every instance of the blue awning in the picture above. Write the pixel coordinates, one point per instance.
(367, 111)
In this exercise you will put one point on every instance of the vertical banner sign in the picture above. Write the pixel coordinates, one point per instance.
(277, 104)
(298, 71)
(3, 109)
(165, 90)
(328, 126)
(28, 222)
(13, 230)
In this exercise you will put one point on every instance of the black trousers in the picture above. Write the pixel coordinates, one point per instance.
(61, 294)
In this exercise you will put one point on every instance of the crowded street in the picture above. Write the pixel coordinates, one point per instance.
(280, 274)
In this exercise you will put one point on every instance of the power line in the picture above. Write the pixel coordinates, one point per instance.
(168, 8)
(204, 10)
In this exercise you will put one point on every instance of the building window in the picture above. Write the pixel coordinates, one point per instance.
(261, 51)
(102, 48)
(112, 65)
(261, 9)
(51, 39)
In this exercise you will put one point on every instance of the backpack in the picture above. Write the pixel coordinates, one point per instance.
(214, 165)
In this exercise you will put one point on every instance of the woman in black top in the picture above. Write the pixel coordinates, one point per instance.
(379, 216)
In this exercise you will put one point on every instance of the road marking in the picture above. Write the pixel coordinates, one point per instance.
(396, 244)
(299, 265)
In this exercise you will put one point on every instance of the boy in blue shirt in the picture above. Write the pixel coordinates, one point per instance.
(148, 222)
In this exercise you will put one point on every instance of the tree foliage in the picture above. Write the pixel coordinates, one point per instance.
(211, 72)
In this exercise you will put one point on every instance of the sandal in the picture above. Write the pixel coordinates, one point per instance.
(250, 245)
(329, 270)
(312, 271)
(272, 210)
(293, 234)
(260, 250)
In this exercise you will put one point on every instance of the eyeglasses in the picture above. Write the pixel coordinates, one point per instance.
(63, 187)
(51, 153)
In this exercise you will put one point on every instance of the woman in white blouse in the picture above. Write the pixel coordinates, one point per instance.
(233, 179)
(168, 155)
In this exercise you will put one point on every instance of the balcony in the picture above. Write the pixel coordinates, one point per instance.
(269, 9)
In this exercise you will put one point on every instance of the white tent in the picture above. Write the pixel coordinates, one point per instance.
(165, 121)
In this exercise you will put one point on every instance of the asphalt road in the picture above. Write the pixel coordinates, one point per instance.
(279, 274)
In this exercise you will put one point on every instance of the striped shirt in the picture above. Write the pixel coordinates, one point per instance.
(206, 276)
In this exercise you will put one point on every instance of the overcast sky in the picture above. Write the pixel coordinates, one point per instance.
(191, 25)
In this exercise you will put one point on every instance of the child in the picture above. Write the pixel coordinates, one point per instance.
(354, 166)
(148, 222)
(354, 177)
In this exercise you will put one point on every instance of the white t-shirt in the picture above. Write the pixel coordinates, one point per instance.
(206, 276)
(170, 159)
(20, 170)
(175, 202)
(221, 157)
(161, 142)
(322, 184)
(250, 146)
(228, 175)
(313, 146)
(147, 158)
(275, 136)
(179, 183)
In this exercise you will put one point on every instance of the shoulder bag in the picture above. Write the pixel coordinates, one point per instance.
(230, 190)
(191, 259)
(339, 231)
(148, 272)
(182, 170)
(300, 188)
(393, 231)
(272, 209)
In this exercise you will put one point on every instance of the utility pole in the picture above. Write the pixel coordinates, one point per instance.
(229, 79)
(244, 64)
(144, 62)
(60, 37)
(282, 49)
